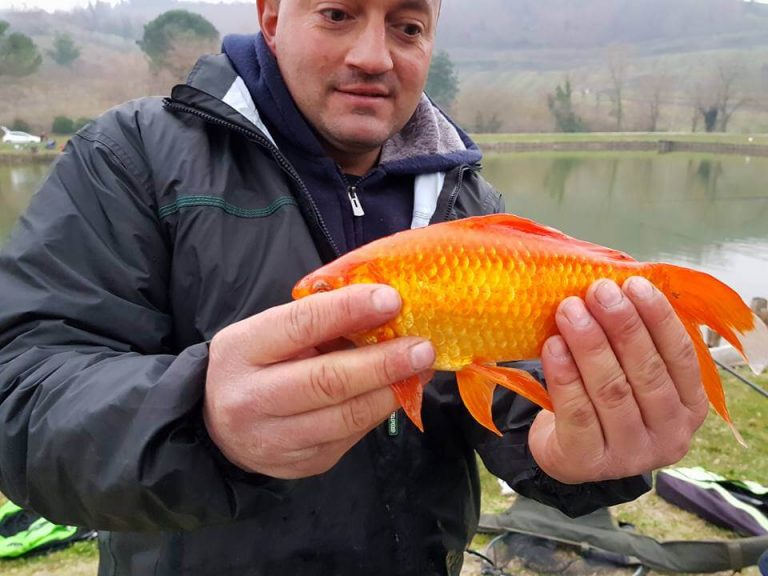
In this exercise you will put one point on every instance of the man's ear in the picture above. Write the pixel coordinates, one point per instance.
(268, 11)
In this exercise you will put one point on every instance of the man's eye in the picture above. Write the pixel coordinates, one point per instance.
(412, 30)
(335, 15)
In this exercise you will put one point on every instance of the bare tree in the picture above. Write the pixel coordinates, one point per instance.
(618, 65)
(720, 96)
(655, 89)
(729, 98)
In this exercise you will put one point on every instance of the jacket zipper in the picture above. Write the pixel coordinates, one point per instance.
(454, 194)
(286, 166)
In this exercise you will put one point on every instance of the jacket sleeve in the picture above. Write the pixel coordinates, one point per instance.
(101, 418)
(510, 459)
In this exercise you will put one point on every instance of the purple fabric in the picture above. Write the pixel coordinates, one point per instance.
(708, 504)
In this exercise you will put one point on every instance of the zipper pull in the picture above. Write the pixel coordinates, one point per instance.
(357, 208)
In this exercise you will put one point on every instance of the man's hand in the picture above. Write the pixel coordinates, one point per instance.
(283, 398)
(625, 385)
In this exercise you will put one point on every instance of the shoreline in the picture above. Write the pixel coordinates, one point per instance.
(17, 158)
(661, 146)
(583, 142)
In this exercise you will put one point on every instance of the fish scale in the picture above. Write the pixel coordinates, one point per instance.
(485, 290)
(492, 305)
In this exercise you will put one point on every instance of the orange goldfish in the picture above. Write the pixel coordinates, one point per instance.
(485, 290)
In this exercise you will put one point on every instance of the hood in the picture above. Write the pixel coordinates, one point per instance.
(430, 142)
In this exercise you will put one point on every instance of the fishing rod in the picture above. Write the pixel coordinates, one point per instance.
(735, 374)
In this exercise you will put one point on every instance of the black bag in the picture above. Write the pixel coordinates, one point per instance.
(599, 536)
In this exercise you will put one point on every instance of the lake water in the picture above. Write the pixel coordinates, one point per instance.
(709, 213)
(704, 212)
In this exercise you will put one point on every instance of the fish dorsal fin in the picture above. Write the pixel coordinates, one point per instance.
(513, 223)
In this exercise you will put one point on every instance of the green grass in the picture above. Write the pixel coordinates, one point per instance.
(714, 448)
(757, 139)
(80, 559)
(10, 150)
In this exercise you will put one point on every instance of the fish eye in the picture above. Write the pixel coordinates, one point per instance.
(321, 286)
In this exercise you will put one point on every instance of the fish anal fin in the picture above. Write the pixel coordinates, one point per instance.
(410, 394)
(518, 381)
(477, 394)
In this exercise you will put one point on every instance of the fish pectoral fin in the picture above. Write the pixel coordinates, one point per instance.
(410, 394)
(476, 392)
(518, 381)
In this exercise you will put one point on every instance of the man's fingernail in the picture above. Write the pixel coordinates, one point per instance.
(640, 288)
(608, 294)
(386, 300)
(422, 356)
(576, 313)
(557, 348)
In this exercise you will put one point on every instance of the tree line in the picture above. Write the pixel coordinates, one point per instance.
(172, 41)
(169, 41)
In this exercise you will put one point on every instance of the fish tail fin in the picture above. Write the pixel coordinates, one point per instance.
(410, 395)
(702, 299)
(477, 383)
(710, 378)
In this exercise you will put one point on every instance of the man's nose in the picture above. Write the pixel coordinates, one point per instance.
(370, 52)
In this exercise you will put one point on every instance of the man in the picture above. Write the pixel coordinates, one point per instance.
(157, 384)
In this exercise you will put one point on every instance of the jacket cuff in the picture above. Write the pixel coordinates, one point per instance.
(580, 499)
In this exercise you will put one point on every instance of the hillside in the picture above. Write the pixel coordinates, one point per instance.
(667, 52)
(527, 24)
(482, 25)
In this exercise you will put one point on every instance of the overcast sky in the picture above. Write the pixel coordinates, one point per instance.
(52, 5)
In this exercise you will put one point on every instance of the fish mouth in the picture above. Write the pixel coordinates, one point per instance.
(308, 286)
(301, 289)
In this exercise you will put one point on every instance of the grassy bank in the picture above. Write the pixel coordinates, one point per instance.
(588, 141)
(634, 142)
(698, 137)
(10, 154)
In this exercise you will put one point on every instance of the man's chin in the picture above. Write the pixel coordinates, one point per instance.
(359, 132)
(358, 143)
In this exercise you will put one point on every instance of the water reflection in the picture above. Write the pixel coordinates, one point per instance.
(706, 212)
(17, 184)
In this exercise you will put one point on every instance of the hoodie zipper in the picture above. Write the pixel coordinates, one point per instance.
(282, 161)
(357, 207)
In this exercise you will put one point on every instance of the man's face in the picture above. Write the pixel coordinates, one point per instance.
(356, 68)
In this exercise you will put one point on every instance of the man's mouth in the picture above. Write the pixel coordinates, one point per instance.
(365, 91)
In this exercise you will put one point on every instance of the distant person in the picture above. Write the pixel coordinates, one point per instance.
(157, 383)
